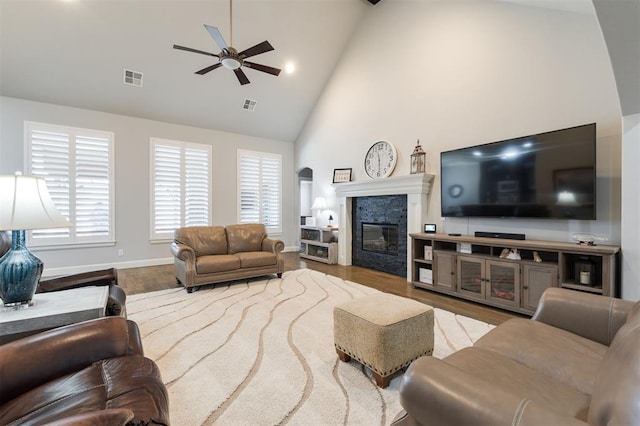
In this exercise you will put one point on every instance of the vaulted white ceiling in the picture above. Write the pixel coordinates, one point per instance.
(73, 52)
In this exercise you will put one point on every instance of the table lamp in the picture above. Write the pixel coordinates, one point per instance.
(25, 203)
(319, 204)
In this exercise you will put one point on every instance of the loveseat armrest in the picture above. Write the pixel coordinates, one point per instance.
(183, 252)
(434, 392)
(591, 316)
(31, 361)
(272, 246)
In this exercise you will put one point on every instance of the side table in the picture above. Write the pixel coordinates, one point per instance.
(53, 309)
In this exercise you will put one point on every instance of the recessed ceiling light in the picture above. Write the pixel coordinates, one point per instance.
(290, 68)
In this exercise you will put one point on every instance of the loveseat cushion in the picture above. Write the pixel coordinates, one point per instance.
(131, 382)
(204, 240)
(256, 259)
(518, 379)
(245, 237)
(616, 396)
(217, 263)
(558, 354)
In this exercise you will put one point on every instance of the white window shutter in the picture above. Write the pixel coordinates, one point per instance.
(50, 159)
(196, 188)
(167, 191)
(249, 189)
(271, 181)
(92, 187)
(260, 189)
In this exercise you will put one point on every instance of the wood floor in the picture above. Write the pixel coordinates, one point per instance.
(142, 280)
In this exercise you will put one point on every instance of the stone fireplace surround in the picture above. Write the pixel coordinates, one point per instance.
(376, 211)
(416, 187)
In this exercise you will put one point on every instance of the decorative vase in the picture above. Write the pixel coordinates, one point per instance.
(20, 272)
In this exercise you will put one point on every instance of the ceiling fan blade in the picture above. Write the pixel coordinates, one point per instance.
(263, 68)
(259, 48)
(242, 77)
(217, 36)
(203, 71)
(188, 49)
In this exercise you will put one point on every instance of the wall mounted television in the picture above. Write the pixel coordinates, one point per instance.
(548, 175)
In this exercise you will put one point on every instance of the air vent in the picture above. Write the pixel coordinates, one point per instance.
(249, 105)
(134, 78)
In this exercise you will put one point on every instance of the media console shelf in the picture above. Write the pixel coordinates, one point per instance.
(472, 268)
(319, 244)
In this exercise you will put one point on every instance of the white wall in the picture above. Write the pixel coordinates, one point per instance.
(462, 73)
(631, 208)
(132, 175)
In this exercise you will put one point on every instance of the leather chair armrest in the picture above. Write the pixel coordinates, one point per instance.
(433, 392)
(183, 252)
(591, 316)
(273, 246)
(116, 305)
(31, 361)
(93, 278)
(108, 417)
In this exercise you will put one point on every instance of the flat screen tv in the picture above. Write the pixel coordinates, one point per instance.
(548, 175)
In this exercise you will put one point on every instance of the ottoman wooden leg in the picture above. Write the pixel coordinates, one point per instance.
(342, 356)
(382, 381)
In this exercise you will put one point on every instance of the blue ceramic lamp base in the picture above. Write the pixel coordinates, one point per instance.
(20, 272)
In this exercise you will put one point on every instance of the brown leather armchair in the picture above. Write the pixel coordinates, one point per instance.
(116, 304)
(90, 373)
(576, 362)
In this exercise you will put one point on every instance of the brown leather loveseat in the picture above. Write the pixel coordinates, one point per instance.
(89, 373)
(212, 254)
(576, 362)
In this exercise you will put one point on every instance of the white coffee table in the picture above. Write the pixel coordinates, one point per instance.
(53, 309)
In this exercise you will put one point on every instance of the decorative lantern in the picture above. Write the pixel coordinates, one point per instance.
(418, 159)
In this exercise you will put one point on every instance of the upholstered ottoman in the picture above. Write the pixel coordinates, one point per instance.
(383, 332)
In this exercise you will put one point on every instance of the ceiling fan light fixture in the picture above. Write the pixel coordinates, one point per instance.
(231, 63)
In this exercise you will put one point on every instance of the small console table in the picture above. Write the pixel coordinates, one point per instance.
(53, 309)
(473, 268)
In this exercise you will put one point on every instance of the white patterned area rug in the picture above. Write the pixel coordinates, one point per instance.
(260, 352)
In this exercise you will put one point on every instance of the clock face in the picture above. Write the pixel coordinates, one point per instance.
(380, 160)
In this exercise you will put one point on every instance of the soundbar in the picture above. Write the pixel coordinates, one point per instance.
(504, 235)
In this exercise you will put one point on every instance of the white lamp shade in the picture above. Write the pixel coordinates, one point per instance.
(319, 204)
(25, 203)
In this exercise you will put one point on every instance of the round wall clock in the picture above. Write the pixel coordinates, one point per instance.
(380, 160)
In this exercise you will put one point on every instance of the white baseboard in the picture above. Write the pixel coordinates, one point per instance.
(52, 272)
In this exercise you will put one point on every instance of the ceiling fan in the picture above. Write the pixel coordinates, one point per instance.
(229, 57)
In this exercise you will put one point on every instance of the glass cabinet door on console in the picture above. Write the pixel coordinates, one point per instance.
(503, 282)
(471, 281)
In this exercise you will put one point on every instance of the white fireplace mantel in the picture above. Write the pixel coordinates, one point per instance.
(395, 185)
(416, 187)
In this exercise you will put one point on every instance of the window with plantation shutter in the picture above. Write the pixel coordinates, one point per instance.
(180, 186)
(260, 189)
(77, 165)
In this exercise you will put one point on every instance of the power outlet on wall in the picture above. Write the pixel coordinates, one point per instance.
(120, 252)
